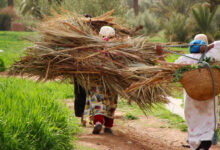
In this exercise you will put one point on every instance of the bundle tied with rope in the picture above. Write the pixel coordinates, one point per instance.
(69, 48)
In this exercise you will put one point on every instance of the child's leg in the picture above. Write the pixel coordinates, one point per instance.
(98, 119)
(111, 107)
(108, 122)
(108, 125)
(98, 111)
(98, 122)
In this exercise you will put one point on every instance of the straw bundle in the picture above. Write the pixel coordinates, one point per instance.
(107, 20)
(69, 48)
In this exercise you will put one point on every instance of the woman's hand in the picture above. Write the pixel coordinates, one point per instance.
(159, 49)
(202, 48)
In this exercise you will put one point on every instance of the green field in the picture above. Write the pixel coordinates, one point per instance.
(158, 111)
(33, 115)
(13, 44)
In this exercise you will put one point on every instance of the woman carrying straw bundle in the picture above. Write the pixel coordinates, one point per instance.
(199, 114)
(101, 104)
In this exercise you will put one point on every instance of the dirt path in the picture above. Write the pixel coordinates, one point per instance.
(142, 134)
(145, 133)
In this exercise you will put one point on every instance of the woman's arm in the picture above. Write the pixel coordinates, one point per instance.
(202, 48)
(161, 60)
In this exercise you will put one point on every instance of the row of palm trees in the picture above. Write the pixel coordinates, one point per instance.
(163, 9)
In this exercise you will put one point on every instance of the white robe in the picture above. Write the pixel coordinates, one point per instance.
(199, 115)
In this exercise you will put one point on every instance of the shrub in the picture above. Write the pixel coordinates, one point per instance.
(95, 7)
(146, 19)
(176, 28)
(2, 65)
(3, 3)
(10, 11)
(6, 16)
(130, 116)
(5, 22)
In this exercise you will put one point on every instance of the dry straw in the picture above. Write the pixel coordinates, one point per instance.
(69, 47)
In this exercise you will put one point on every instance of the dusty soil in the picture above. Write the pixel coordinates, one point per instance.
(145, 133)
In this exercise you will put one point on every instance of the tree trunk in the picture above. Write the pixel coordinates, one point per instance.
(136, 7)
(10, 3)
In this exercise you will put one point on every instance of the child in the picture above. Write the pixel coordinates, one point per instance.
(101, 104)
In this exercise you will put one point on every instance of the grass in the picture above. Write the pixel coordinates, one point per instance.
(33, 116)
(159, 38)
(158, 111)
(13, 44)
(79, 147)
(130, 116)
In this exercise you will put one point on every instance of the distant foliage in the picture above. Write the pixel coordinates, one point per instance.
(5, 22)
(164, 8)
(95, 7)
(2, 65)
(39, 8)
(176, 28)
(217, 18)
(10, 11)
(203, 18)
(148, 20)
(7, 15)
(3, 3)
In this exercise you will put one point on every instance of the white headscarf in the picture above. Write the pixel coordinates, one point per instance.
(202, 37)
(107, 31)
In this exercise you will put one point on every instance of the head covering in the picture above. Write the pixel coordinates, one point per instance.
(194, 46)
(107, 31)
(202, 37)
(199, 39)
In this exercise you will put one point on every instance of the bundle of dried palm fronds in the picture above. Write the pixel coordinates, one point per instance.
(107, 20)
(68, 48)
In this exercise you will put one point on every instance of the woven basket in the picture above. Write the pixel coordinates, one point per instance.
(198, 83)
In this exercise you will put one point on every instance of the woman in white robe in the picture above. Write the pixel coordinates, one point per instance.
(199, 115)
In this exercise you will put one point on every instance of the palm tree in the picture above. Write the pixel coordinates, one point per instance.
(203, 18)
(136, 7)
(33, 7)
(164, 8)
(213, 4)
